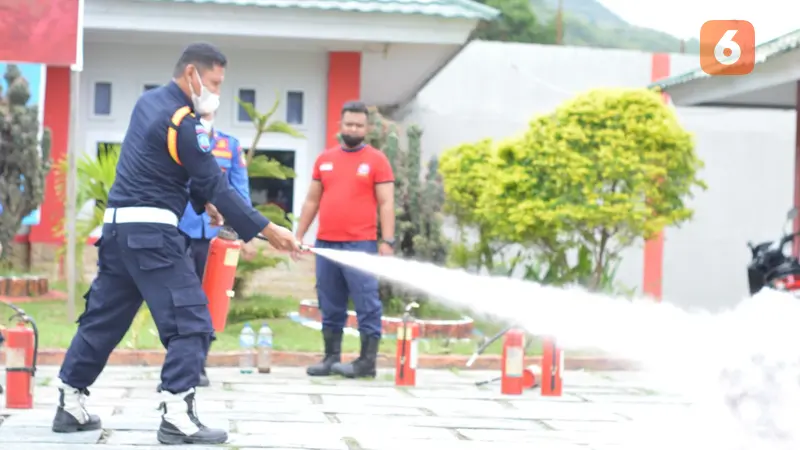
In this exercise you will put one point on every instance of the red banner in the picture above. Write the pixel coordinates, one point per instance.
(39, 31)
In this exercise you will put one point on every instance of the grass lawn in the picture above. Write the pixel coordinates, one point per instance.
(56, 331)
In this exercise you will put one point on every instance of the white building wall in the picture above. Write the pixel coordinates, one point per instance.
(270, 73)
(493, 89)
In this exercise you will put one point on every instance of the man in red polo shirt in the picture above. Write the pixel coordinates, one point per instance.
(351, 186)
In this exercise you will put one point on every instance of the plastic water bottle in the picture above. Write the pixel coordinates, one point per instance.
(264, 349)
(247, 343)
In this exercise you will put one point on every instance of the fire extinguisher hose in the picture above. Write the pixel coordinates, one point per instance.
(23, 317)
(486, 345)
(491, 341)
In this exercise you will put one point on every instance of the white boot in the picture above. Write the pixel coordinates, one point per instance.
(71, 415)
(180, 424)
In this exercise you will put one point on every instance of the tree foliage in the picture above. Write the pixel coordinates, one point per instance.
(22, 166)
(466, 169)
(419, 198)
(605, 168)
(517, 23)
(586, 23)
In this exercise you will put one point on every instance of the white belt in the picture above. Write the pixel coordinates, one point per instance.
(140, 214)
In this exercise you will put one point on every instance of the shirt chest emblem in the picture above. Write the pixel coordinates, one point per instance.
(363, 170)
(326, 167)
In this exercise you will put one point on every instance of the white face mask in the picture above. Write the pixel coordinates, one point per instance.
(205, 103)
(208, 124)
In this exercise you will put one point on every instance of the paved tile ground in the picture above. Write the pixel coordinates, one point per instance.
(286, 409)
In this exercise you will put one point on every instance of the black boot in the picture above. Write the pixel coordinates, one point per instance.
(71, 415)
(333, 354)
(180, 424)
(365, 365)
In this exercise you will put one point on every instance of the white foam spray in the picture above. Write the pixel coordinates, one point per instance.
(740, 368)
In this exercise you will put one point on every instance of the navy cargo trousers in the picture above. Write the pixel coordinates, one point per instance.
(139, 261)
(336, 284)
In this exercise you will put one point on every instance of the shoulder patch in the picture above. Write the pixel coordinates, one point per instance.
(242, 159)
(204, 142)
(199, 128)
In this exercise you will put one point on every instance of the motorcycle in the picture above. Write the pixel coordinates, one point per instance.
(771, 267)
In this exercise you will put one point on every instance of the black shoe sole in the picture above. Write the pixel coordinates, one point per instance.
(77, 428)
(180, 439)
(359, 375)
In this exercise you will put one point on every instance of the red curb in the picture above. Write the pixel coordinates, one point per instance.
(122, 357)
(50, 296)
(429, 328)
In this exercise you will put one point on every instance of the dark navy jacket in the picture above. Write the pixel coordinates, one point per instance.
(231, 159)
(148, 176)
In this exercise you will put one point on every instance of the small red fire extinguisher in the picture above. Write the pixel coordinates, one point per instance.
(511, 382)
(406, 360)
(552, 367)
(219, 275)
(22, 348)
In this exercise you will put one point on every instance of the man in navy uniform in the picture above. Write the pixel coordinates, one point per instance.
(143, 255)
(231, 159)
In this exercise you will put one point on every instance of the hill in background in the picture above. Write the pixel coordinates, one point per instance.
(588, 23)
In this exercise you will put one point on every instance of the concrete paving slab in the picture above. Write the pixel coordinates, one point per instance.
(287, 409)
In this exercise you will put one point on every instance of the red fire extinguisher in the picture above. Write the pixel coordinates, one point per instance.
(406, 362)
(552, 367)
(513, 362)
(219, 275)
(22, 348)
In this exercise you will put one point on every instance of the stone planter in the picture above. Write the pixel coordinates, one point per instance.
(24, 286)
(429, 328)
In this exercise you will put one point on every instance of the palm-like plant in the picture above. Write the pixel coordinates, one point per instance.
(95, 177)
(263, 166)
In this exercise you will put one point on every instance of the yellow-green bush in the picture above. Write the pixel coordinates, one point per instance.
(605, 168)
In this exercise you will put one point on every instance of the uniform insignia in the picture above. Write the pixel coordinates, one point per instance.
(326, 167)
(222, 144)
(200, 129)
(204, 142)
(242, 159)
(363, 169)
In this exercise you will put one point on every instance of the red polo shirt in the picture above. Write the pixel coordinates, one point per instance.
(348, 210)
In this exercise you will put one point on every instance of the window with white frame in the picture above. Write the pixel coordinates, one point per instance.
(246, 96)
(294, 107)
(102, 99)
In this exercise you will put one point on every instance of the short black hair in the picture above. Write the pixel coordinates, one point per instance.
(355, 106)
(202, 55)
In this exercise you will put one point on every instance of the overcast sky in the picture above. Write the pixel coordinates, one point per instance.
(683, 18)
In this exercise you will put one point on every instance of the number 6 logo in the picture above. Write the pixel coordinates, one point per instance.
(727, 47)
(727, 51)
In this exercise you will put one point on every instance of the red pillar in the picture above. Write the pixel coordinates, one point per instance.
(344, 84)
(56, 117)
(654, 248)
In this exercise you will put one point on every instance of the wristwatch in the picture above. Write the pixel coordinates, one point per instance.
(390, 242)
